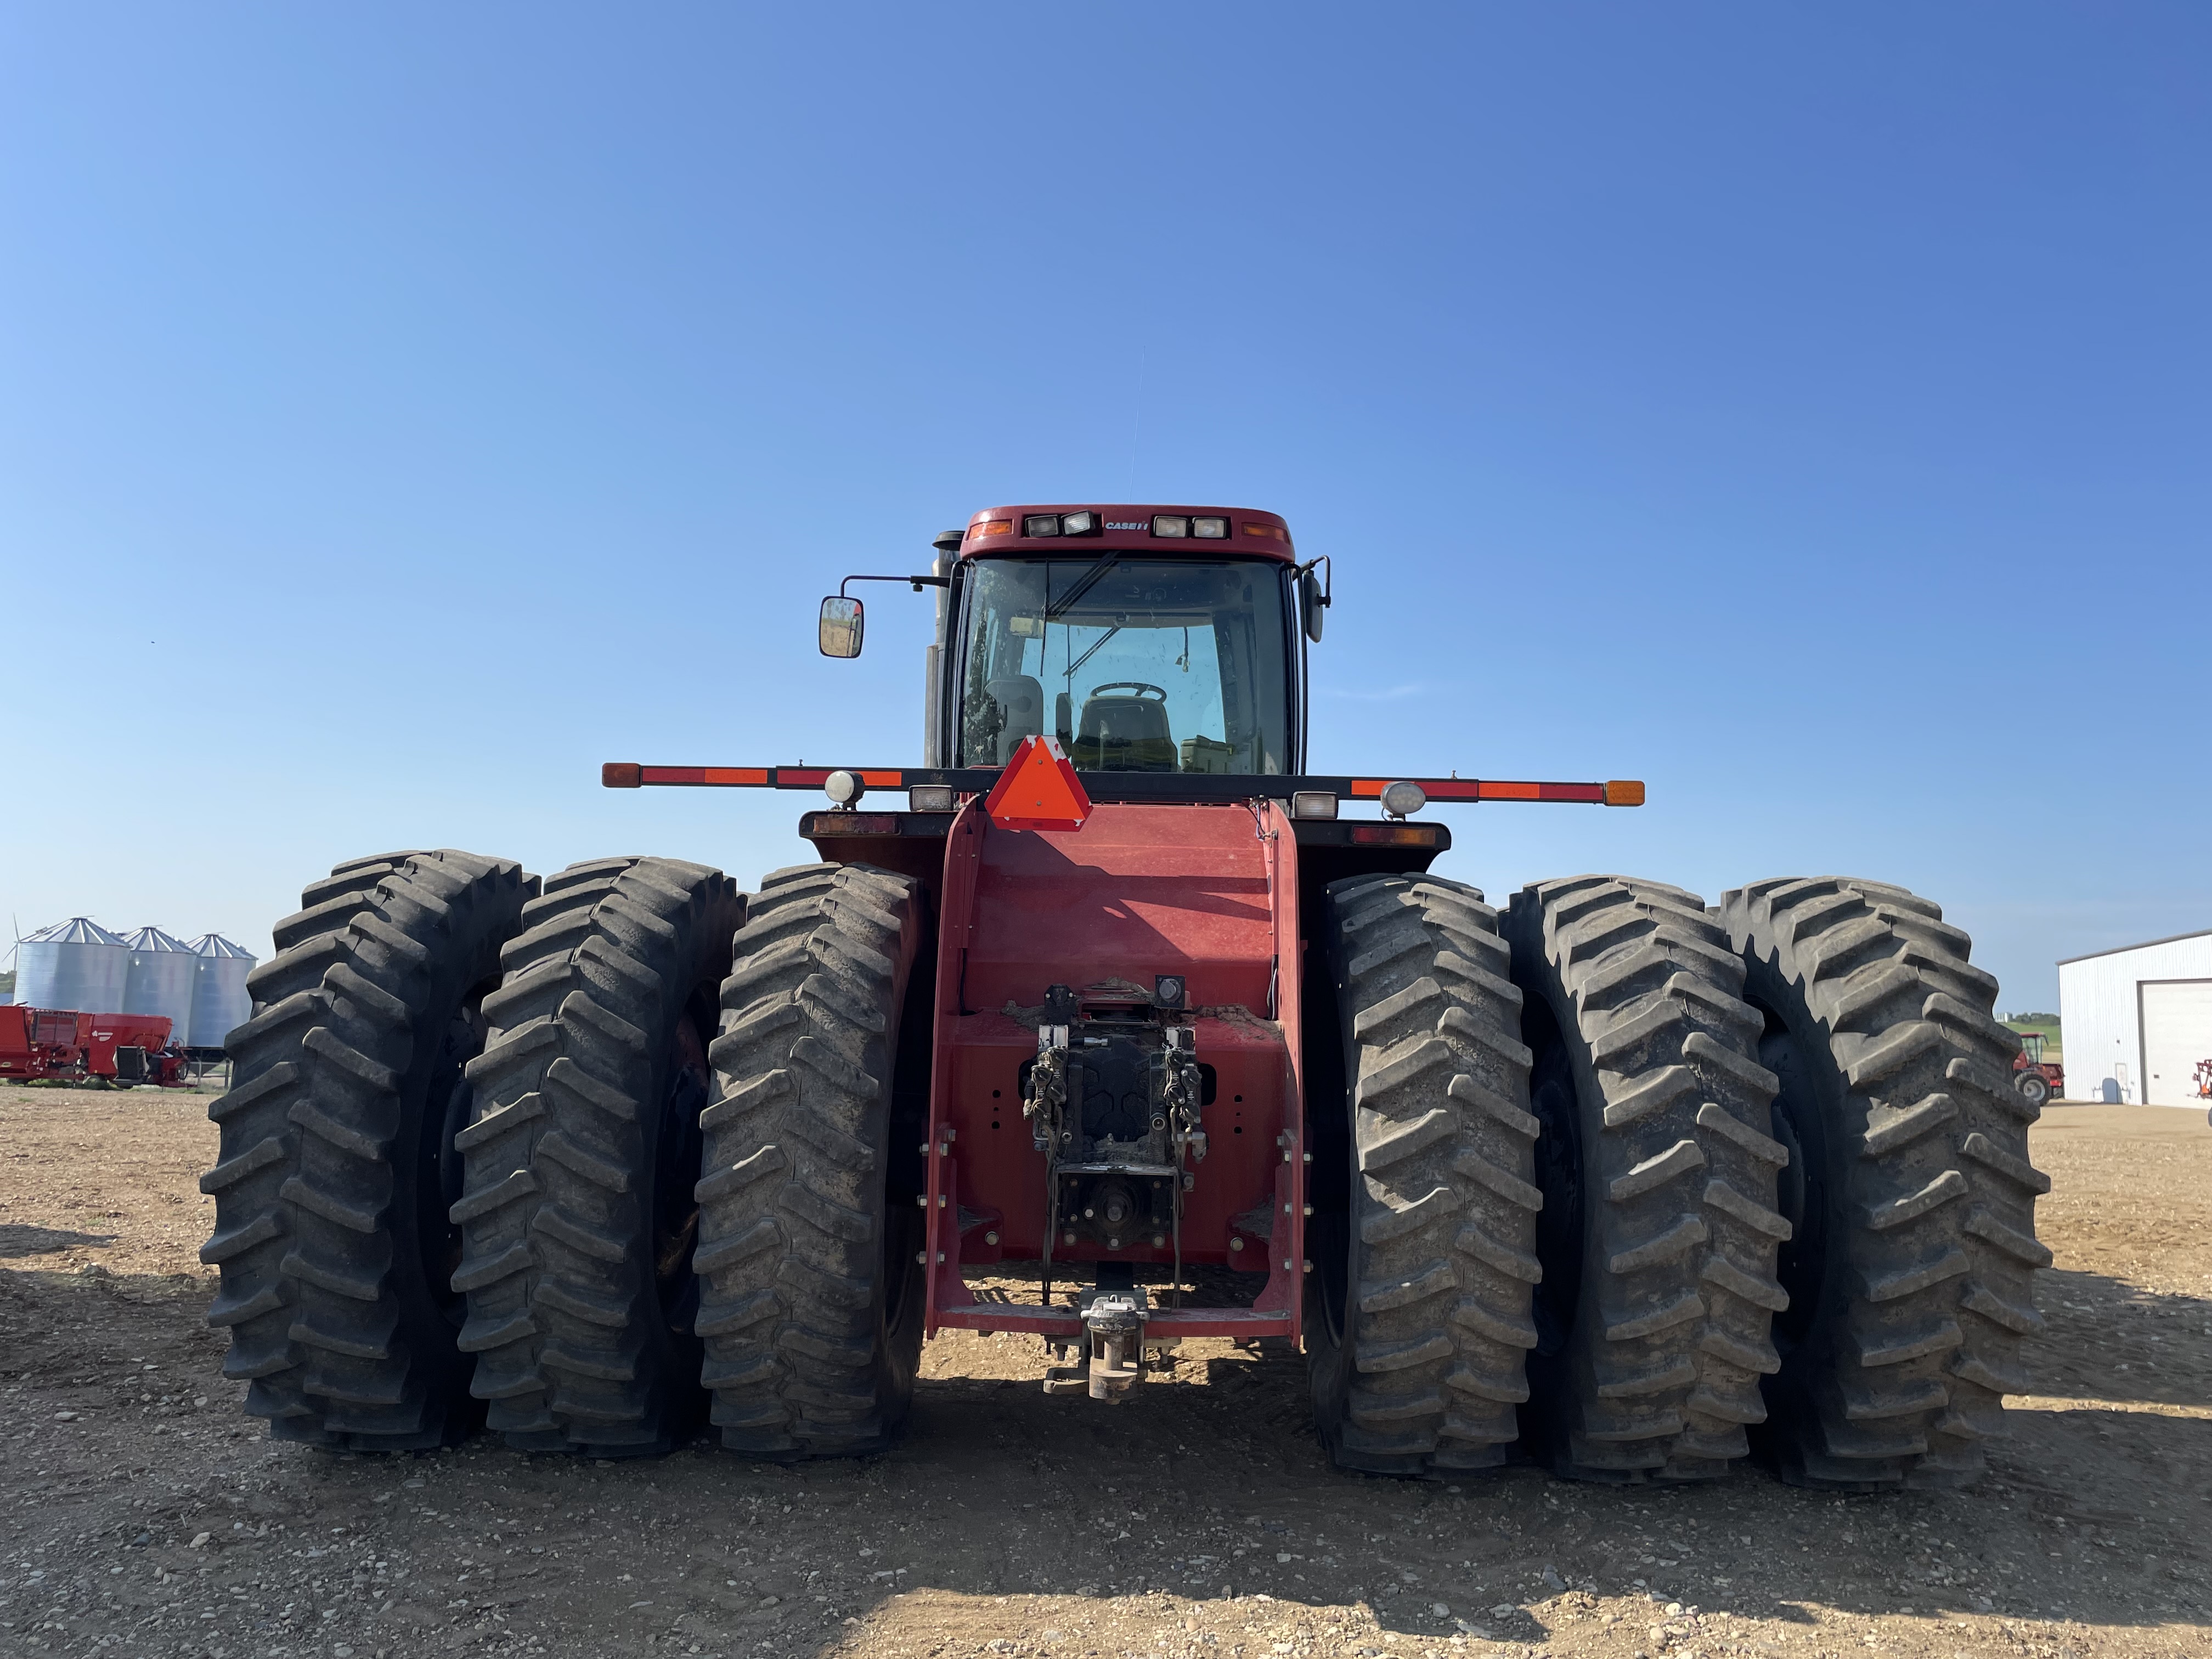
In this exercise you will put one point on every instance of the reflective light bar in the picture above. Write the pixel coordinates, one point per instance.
(1169, 524)
(1210, 530)
(1595, 794)
(1394, 835)
(855, 824)
(1318, 799)
(722, 777)
(1041, 524)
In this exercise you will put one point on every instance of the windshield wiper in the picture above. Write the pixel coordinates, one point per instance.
(1091, 652)
(1084, 584)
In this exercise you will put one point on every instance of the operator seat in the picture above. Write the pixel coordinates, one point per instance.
(1021, 707)
(1124, 734)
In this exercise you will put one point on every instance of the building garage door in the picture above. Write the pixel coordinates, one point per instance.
(2177, 1033)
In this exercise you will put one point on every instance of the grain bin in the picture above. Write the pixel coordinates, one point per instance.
(221, 1002)
(74, 964)
(162, 972)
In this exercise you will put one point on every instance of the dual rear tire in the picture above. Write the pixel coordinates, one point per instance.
(1777, 1192)
(460, 1174)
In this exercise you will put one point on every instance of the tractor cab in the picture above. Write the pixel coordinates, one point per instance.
(1139, 638)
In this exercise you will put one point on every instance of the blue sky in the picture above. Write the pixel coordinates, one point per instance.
(404, 408)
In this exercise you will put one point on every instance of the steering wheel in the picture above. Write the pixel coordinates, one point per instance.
(1137, 686)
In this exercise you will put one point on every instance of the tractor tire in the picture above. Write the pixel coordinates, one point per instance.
(1417, 1316)
(2033, 1087)
(811, 1290)
(577, 1215)
(335, 1167)
(1659, 1225)
(1911, 1274)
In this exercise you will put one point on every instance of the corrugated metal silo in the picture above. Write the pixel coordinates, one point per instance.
(163, 973)
(74, 964)
(221, 1002)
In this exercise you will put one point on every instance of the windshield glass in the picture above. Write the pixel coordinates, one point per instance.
(1136, 665)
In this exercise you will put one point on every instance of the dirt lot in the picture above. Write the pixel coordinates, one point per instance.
(142, 1515)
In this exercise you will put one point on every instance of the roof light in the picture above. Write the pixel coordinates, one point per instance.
(1313, 804)
(1168, 524)
(929, 797)
(1403, 799)
(990, 526)
(1210, 530)
(1078, 524)
(1041, 524)
(1272, 532)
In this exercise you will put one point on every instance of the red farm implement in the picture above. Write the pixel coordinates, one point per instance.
(1112, 1025)
(63, 1046)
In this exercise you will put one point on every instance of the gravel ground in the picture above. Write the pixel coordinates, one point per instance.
(144, 1515)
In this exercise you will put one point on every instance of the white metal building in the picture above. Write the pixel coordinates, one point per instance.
(2136, 1021)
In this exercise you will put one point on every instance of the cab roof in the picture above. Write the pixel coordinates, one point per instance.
(1123, 526)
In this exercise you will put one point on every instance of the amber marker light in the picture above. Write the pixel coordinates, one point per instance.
(622, 774)
(990, 527)
(1625, 792)
(1393, 835)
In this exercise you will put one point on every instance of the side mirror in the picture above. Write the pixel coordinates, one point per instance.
(1315, 602)
(842, 624)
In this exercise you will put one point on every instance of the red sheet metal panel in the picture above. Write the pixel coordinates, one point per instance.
(1137, 892)
(1205, 892)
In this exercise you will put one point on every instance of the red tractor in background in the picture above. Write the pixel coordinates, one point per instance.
(64, 1046)
(1118, 1032)
(2037, 1080)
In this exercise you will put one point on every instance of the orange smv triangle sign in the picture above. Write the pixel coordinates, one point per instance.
(1038, 790)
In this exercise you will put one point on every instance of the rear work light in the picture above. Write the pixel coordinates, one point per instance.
(1313, 804)
(929, 797)
(1394, 835)
(1041, 524)
(1210, 530)
(1403, 799)
(1168, 524)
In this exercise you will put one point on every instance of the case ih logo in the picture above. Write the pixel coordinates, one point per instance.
(1118, 523)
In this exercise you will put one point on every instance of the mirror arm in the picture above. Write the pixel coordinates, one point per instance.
(1327, 579)
(918, 582)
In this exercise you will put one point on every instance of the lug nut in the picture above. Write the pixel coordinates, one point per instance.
(1159, 1241)
(1113, 1243)
(1236, 1244)
(1067, 1238)
(990, 1238)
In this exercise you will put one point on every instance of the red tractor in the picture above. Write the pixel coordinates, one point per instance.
(1121, 1031)
(2037, 1079)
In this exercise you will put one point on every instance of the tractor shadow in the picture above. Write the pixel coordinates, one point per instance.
(17, 1240)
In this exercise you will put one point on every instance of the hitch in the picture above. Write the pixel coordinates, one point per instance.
(1113, 1347)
